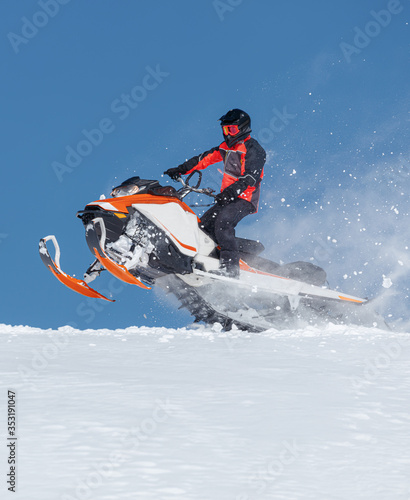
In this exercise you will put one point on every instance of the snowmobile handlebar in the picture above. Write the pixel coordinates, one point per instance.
(187, 188)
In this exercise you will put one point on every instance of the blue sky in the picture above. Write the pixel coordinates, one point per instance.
(326, 85)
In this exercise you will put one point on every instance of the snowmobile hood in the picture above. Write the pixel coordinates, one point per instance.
(123, 203)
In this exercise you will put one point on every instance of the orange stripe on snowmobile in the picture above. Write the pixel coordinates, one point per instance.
(78, 286)
(183, 244)
(246, 267)
(119, 271)
(193, 249)
(122, 204)
(351, 300)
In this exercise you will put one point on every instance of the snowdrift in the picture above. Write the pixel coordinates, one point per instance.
(156, 413)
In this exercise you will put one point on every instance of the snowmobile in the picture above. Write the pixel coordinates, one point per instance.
(145, 235)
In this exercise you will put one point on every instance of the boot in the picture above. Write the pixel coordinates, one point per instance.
(229, 269)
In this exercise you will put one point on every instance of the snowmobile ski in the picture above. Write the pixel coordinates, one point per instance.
(75, 284)
(96, 247)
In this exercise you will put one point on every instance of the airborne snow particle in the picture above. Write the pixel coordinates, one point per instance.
(387, 282)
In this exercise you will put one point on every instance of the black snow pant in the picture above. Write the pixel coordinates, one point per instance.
(219, 223)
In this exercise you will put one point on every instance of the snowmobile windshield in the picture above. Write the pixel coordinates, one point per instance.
(133, 185)
(126, 190)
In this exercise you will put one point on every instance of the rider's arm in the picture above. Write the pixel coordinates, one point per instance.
(202, 161)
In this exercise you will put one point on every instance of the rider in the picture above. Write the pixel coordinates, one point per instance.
(243, 159)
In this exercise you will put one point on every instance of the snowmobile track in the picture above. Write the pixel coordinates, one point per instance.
(200, 309)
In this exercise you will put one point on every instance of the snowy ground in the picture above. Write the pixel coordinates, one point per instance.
(196, 414)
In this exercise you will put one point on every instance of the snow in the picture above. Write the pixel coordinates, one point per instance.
(387, 282)
(196, 413)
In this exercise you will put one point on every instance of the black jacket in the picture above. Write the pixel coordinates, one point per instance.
(243, 170)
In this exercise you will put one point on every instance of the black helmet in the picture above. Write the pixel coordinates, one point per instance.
(243, 126)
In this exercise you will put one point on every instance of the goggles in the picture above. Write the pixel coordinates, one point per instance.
(230, 129)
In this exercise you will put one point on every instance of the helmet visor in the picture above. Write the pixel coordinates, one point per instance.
(230, 130)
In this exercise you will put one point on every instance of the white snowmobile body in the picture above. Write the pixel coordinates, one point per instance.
(153, 238)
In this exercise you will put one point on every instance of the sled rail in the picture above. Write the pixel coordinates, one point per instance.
(74, 284)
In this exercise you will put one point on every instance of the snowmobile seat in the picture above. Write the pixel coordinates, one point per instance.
(252, 247)
(303, 271)
(299, 271)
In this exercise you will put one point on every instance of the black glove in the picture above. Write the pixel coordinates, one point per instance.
(226, 196)
(174, 173)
